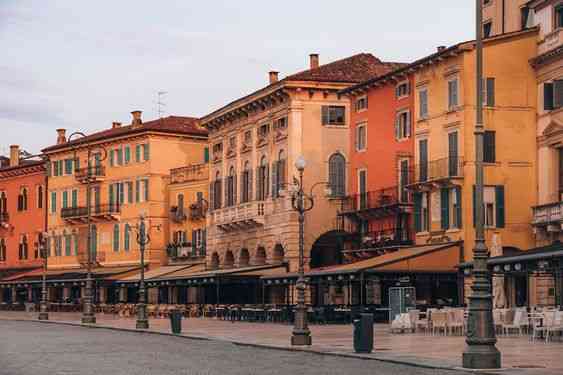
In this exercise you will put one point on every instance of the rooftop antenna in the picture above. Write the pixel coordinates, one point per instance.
(160, 103)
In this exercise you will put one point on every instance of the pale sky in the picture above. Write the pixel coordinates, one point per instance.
(80, 64)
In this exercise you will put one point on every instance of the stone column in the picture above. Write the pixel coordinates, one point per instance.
(103, 294)
(122, 294)
(14, 294)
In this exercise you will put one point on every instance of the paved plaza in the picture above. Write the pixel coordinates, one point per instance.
(520, 355)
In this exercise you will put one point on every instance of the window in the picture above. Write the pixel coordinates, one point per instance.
(111, 158)
(22, 200)
(2, 250)
(75, 241)
(337, 175)
(423, 103)
(455, 207)
(402, 125)
(402, 89)
(487, 29)
(421, 214)
(525, 17)
(127, 155)
(361, 103)
(263, 131)
(278, 174)
(403, 180)
(127, 238)
(129, 185)
(68, 166)
(248, 137)
(39, 197)
(53, 202)
(453, 158)
(489, 92)
(489, 151)
(3, 202)
(246, 189)
(262, 179)
(217, 151)
(23, 248)
(65, 200)
(141, 152)
(559, 16)
(68, 243)
(58, 246)
(94, 241)
(231, 187)
(553, 95)
(146, 152)
(232, 143)
(362, 188)
(215, 192)
(137, 153)
(423, 160)
(116, 237)
(333, 115)
(361, 137)
(280, 124)
(453, 100)
(494, 211)
(206, 155)
(119, 153)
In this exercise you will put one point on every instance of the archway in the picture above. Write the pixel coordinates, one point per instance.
(244, 258)
(327, 250)
(260, 257)
(278, 254)
(229, 260)
(214, 263)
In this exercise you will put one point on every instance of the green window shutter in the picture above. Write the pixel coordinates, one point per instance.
(127, 154)
(459, 210)
(558, 93)
(445, 207)
(111, 194)
(138, 153)
(129, 192)
(48, 169)
(76, 164)
(65, 199)
(74, 198)
(194, 234)
(211, 196)
(120, 156)
(138, 191)
(417, 211)
(68, 166)
(274, 179)
(127, 237)
(116, 237)
(55, 168)
(146, 190)
(111, 158)
(474, 206)
(324, 115)
(121, 189)
(146, 152)
(67, 245)
(490, 92)
(206, 155)
(499, 199)
(94, 242)
(75, 240)
(53, 202)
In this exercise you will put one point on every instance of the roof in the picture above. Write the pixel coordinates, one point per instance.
(356, 68)
(406, 68)
(66, 274)
(250, 271)
(159, 272)
(544, 252)
(23, 164)
(172, 124)
(353, 69)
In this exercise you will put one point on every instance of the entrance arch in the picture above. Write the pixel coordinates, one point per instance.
(279, 253)
(244, 258)
(327, 250)
(229, 260)
(260, 257)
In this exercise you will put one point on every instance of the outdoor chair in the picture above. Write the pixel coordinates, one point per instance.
(413, 318)
(557, 325)
(548, 321)
(455, 321)
(439, 322)
(519, 323)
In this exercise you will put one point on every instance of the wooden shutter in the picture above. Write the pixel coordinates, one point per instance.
(203, 241)
(267, 181)
(408, 124)
(459, 210)
(489, 153)
(258, 183)
(558, 93)
(275, 179)
(206, 155)
(138, 191)
(397, 126)
(111, 157)
(146, 152)
(138, 153)
(423, 159)
(74, 198)
(325, 116)
(499, 200)
(111, 195)
(417, 211)
(490, 84)
(193, 242)
(127, 154)
(211, 196)
(548, 96)
(219, 194)
(445, 207)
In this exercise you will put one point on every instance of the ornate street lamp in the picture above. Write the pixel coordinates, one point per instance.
(480, 352)
(43, 310)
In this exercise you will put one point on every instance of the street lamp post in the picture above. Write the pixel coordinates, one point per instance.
(43, 310)
(481, 352)
(143, 239)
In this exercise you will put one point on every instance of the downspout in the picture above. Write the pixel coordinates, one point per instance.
(503, 14)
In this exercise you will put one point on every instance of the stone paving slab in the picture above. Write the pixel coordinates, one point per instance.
(519, 354)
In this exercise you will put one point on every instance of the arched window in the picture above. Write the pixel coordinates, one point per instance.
(244, 258)
(116, 237)
(127, 238)
(246, 188)
(23, 247)
(214, 264)
(3, 203)
(216, 191)
(278, 174)
(76, 244)
(260, 257)
(262, 179)
(2, 250)
(231, 187)
(229, 259)
(40, 197)
(279, 253)
(337, 175)
(22, 200)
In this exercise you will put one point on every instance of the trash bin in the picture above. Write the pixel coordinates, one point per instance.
(176, 321)
(363, 334)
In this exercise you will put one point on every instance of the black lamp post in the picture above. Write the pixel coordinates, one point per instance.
(43, 310)
(481, 352)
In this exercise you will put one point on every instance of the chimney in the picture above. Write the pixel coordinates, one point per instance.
(273, 77)
(14, 155)
(136, 118)
(115, 124)
(313, 60)
(61, 136)
(441, 48)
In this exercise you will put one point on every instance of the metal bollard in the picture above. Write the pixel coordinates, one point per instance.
(363, 334)
(176, 321)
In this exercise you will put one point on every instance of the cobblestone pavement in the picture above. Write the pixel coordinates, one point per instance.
(519, 354)
(40, 349)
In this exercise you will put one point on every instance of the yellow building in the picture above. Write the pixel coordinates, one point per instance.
(444, 175)
(131, 166)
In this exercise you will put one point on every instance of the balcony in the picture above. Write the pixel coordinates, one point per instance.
(197, 211)
(4, 217)
(90, 174)
(243, 216)
(184, 251)
(198, 172)
(377, 204)
(102, 212)
(382, 239)
(550, 41)
(548, 217)
(440, 171)
(177, 215)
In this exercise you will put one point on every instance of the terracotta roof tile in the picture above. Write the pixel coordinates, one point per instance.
(172, 124)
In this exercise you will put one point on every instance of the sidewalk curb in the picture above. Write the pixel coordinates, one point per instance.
(403, 362)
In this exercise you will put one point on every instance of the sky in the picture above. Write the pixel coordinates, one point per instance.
(80, 65)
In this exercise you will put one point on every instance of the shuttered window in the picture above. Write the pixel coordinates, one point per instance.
(65, 199)
(333, 115)
(361, 137)
(489, 92)
(127, 156)
(116, 237)
(127, 237)
(417, 211)
(489, 151)
(146, 152)
(423, 160)
(453, 165)
(453, 99)
(138, 153)
(337, 175)
(53, 202)
(445, 208)
(423, 103)
(68, 244)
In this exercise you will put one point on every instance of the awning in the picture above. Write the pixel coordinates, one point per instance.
(65, 275)
(156, 272)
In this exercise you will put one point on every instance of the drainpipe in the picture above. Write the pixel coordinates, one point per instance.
(503, 14)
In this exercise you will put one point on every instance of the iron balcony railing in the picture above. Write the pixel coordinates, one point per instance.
(450, 167)
(92, 172)
(376, 199)
(185, 250)
(96, 210)
(4, 217)
(385, 238)
(547, 214)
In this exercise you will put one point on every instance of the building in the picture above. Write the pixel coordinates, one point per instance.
(506, 16)
(377, 212)
(255, 141)
(22, 220)
(128, 168)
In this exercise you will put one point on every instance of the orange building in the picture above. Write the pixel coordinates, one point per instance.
(22, 219)
(378, 210)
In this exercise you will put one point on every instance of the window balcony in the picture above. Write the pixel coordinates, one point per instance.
(198, 172)
(381, 240)
(92, 174)
(550, 41)
(240, 217)
(185, 251)
(378, 203)
(548, 217)
(177, 215)
(102, 212)
(438, 171)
